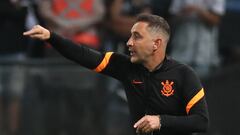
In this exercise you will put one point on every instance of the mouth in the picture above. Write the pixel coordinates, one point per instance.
(132, 53)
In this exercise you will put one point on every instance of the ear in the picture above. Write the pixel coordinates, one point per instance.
(157, 44)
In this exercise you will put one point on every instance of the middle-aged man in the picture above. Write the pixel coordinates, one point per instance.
(165, 97)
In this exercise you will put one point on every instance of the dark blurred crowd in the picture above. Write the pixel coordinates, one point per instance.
(204, 35)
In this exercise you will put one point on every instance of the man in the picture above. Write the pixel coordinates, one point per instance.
(165, 97)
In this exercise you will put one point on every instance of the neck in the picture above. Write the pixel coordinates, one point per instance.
(154, 62)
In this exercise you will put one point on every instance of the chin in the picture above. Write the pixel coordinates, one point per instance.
(135, 60)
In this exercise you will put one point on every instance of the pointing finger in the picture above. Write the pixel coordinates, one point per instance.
(139, 122)
(35, 30)
(36, 36)
(31, 32)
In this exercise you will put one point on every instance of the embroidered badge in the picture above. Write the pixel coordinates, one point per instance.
(167, 88)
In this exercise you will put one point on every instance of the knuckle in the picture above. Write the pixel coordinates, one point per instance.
(36, 26)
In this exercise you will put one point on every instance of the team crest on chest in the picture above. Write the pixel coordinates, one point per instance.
(167, 89)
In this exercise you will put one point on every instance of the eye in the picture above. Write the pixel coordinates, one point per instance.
(136, 36)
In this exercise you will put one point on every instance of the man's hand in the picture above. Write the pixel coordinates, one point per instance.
(38, 32)
(147, 124)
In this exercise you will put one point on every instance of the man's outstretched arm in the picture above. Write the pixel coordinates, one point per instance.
(109, 63)
(84, 56)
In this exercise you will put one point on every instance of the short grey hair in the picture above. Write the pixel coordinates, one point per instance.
(155, 23)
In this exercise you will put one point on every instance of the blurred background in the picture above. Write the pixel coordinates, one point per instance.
(42, 93)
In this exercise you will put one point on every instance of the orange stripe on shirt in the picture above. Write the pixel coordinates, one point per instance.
(104, 62)
(194, 100)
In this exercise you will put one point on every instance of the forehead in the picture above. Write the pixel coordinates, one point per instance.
(139, 27)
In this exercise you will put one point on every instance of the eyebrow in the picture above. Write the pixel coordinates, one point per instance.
(136, 33)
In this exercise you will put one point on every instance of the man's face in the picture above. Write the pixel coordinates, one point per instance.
(140, 44)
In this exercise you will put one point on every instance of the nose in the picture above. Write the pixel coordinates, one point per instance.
(129, 42)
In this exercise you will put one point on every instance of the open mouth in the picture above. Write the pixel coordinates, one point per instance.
(132, 53)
